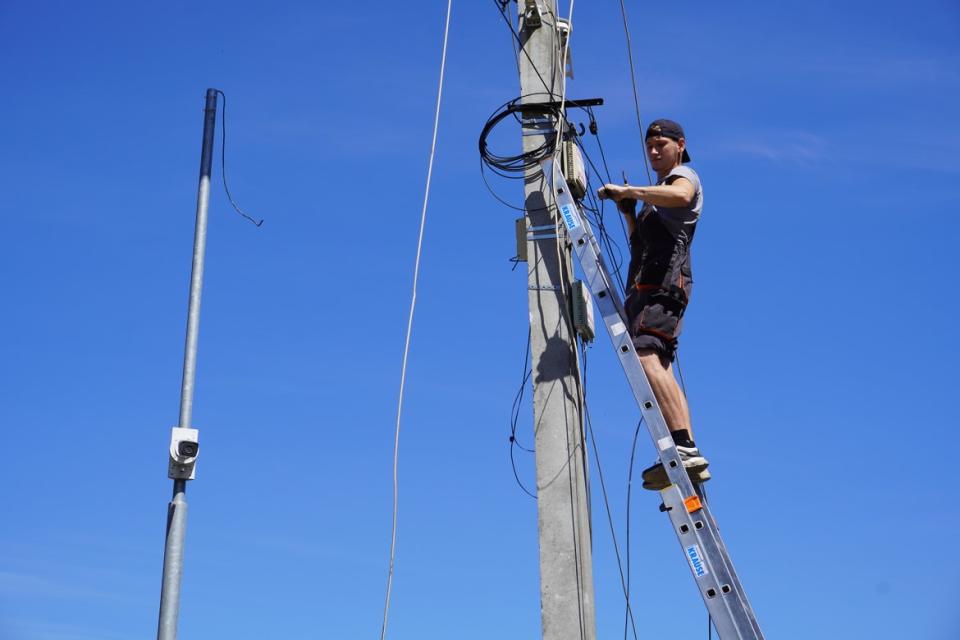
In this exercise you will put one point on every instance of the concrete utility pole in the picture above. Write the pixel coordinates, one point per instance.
(566, 567)
(184, 444)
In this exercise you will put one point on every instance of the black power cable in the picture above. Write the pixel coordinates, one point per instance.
(595, 131)
(624, 578)
(633, 451)
(515, 418)
(516, 165)
(518, 44)
(612, 249)
(223, 160)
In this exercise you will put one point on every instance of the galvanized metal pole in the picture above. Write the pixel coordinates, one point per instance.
(566, 568)
(177, 510)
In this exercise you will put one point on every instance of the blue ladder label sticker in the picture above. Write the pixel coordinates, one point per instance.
(569, 216)
(696, 561)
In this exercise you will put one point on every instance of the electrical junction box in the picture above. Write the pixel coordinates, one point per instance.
(582, 311)
(571, 164)
(520, 227)
(533, 13)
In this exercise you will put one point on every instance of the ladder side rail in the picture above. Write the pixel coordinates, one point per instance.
(698, 535)
(706, 556)
(737, 585)
(727, 593)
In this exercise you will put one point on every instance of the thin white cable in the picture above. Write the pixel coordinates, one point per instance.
(413, 304)
(559, 132)
(562, 60)
(563, 63)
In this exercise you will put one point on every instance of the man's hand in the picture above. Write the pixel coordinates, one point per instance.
(611, 191)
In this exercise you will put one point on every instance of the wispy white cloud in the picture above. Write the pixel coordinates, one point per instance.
(868, 145)
(783, 147)
(43, 630)
(883, 69)
(839, 65)
(21, 585)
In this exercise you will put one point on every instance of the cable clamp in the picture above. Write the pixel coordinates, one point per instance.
(533, 14)
(538, 123)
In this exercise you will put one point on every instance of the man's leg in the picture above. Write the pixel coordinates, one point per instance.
(672, 402)
(673, 405)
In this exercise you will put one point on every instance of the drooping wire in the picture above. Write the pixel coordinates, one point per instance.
(607, 243)
(413, 304)
(683, 383)
(564, 53)
(633, 81)
(606, 502)
(494, 193)
(633, 451)
(595, 215)
(518, 44)
(515, 417)
(595, 131)
(223, 160)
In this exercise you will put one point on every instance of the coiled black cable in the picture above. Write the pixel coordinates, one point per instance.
(515, 166)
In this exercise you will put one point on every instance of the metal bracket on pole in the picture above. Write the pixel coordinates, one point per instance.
(545, 287)
(543, 232)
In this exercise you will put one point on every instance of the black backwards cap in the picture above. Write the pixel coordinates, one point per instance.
(668, 129)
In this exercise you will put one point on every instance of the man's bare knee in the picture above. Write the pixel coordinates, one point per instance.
(653, 361)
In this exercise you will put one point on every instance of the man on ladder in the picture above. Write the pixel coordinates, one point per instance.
(660, 280)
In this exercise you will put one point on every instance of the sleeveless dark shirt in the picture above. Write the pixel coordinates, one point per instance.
(660, 245)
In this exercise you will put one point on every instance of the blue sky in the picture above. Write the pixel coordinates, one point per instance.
(818, 349)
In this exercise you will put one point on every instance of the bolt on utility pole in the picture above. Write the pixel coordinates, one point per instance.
(184, 443)
(566, 567)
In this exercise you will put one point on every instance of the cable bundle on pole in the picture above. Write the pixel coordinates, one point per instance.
(514, 166)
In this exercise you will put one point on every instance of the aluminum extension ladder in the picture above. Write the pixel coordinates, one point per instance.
(693, 524)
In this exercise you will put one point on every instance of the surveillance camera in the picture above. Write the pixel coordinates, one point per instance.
(187, 449)
(184, 447)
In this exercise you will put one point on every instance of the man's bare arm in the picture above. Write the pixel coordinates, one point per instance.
(679, 193)
(628, 207)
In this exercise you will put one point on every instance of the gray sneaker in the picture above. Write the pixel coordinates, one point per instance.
(655, 477)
